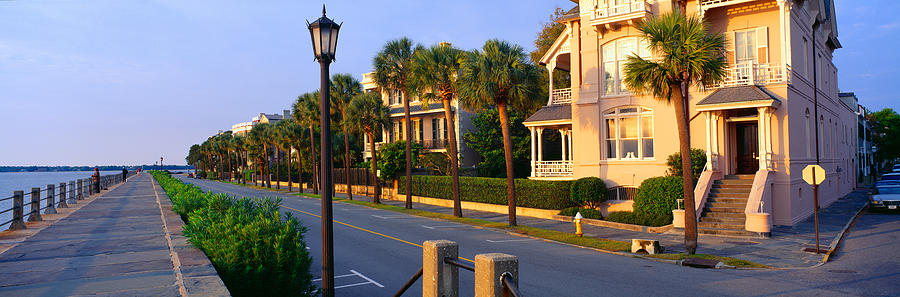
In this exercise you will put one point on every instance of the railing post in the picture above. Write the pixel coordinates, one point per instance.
(80, 189)
(72, 197)
(35, 214)
(439, 279)
(18, 211)
(62, 196)
(51, 200)
(489, 268)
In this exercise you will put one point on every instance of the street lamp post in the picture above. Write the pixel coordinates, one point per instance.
(324, 33)
(160, 163)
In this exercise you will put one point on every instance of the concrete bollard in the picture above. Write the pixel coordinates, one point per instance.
(18, 222)
(51, 200)
(62, 196)
(73, 199)
(646, 246)
(79, 184)
(35, 214)
(489, 268)
(439, 279)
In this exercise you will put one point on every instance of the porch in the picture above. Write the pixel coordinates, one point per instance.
(541, 126)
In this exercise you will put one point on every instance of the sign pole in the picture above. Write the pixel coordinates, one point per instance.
(816, 209)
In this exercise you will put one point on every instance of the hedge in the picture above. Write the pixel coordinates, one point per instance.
(585, 212)
(658, 195)
(637, 218)
(588, 192)
(529, 193)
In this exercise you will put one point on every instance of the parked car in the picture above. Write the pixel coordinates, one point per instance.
(887, 183)
(885, 198)
(891, 176)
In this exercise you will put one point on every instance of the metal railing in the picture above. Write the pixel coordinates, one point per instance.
(748, 74)
(622, 193)
(620, 9)
(552, 168)
(53, 197)
(496, 275)
(561, 96)
(510, 285)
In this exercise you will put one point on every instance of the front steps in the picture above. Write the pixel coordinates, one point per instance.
(723, 213)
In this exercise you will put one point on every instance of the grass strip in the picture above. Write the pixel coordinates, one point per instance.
(727, 260)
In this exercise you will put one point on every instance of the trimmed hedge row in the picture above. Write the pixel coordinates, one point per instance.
(529, 193)
(639, 218)
(255, 250)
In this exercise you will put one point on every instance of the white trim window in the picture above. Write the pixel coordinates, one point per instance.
(615, 54)
(629, 133)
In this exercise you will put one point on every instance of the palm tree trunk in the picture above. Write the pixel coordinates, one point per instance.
(277, 168)
(507, 152)
(230, 168)
(266, 175)
(377, 196)
(454, 157)
(347, 164)
(290, 184)
(690, 211)
(408, 150)
(312, 153)
(299, 171)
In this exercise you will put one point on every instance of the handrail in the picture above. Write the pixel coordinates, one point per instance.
(510, 286)
(409, 283)
(457, 263)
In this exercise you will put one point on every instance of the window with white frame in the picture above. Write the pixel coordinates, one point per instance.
(615, 54)
(629, 133)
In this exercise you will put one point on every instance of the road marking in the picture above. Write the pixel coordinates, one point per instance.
(366, 278)
(352, 285)
(367, 230)
(336, 276)
(435, 227)
(390, 216)
(509, 240)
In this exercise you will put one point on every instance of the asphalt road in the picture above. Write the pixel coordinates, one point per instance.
(376, 252)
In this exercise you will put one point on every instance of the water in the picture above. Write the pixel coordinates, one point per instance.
(24, 181)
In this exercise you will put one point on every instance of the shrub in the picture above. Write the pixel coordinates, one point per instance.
(636, 218)
(392, 159)
(658, 195)
(698, 161)
(588, 192)
(585, 212)
(529, 193)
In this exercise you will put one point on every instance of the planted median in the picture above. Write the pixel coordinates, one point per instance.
(255, 250)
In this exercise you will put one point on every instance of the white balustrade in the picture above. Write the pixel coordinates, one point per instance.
(746, 74)
(561, 96)
(552, 168)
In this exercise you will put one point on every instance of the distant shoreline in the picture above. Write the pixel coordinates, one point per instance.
(87, 168)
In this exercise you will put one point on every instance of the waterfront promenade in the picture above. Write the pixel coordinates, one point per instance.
(122, 242)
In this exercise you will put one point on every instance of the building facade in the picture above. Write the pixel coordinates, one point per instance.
(758, 127)
(271, 118)
(429, 126)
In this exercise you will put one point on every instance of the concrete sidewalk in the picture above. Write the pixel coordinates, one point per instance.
(784, 249)
(118, 244)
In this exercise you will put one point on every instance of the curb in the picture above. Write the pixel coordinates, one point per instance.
(840, 237)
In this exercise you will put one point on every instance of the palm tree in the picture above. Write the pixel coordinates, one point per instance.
(688, 54)
(392, 68)
(343, 88)
(500, 75)
(280, 139)
(237, 144)
(368, 114)
(306, 113)
(260, 135)
(434, 75)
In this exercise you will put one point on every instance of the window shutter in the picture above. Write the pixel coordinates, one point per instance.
(762, 43)
(729, 47)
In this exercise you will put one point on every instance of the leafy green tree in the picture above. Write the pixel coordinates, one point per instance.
(487, 140)
(434, 75)
(306, 113)
(886, 134)
(391, 158)
(392, 69)
(542, 43)
(687, 54)
(368, 114)
(343, 88)
(698, 162)
(500, 75)
(261, 135)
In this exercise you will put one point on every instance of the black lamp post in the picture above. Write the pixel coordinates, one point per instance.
(324, 34)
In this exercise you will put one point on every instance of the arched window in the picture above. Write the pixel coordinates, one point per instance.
(629, 133)
(615, 53)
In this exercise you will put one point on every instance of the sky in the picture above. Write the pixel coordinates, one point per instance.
(127, 82)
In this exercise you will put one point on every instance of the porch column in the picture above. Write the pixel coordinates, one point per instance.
(569, 139)
(550, 67)
(562, 142)
(533, 150)
(709, 139)
(540, 140)
(716, 117)
(763, 131)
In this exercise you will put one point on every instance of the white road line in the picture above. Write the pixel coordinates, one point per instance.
(366, 278)
(509, 240)
(336, 276)
(446, 226)
(390, 216)
(352, 285)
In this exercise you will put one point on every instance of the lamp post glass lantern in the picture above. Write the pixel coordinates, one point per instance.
(324, 33)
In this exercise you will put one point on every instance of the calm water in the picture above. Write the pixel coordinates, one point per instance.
(24, 181)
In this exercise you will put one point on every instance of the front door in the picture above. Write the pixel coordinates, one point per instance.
(747, 145)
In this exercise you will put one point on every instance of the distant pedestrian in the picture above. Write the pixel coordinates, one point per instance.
(96, 180)
(124, 174)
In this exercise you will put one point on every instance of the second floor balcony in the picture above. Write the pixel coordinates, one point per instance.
(552, 168)
(561, 96)
(611, 11)
(748, 74)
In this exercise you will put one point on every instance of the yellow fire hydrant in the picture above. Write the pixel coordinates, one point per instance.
(577, 221)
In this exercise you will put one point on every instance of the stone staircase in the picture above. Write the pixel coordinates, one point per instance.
(723, 213)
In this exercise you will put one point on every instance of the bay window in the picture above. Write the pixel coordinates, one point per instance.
(629, 133)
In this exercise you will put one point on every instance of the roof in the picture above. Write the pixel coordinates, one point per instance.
(572, 14)
(737, 96)
(551, 113)
(413, 108)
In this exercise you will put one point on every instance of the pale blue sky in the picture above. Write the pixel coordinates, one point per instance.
(116, 82)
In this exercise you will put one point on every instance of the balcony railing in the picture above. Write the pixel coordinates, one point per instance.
(433, 143)
(746, 74)
(606, 11)
(561, 96)
(552, 168)
(706, 4)
(378, 146)
(368, 77)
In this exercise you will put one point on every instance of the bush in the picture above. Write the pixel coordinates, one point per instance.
(698, 161)
(585, 212)
(254, 249)
(636, 218)
(529, 193)
(588, 192)
(392, 159)
(658, 195)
